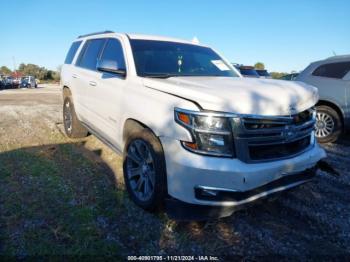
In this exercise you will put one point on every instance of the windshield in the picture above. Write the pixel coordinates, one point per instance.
(166, 59)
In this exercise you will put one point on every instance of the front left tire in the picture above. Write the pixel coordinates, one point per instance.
(144, 170)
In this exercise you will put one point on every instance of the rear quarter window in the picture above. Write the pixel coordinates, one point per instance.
(72, 51)
(333, 70)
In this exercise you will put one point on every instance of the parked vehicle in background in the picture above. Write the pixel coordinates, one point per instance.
(194, 134)
(248, 71)
(263, 73)
(16, 82)
(28, 82)
(289, 77)
(332, 78)
(8, 82)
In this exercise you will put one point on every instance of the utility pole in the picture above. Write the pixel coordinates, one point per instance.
(15, 75)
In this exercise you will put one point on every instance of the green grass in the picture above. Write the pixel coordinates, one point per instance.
(63, 199)
(50, 205)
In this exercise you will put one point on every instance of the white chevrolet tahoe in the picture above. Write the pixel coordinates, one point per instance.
(194, 134)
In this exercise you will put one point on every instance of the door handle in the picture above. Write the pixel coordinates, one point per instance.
(74, 76)
(92, 83)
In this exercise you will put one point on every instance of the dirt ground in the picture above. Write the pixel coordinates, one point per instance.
(66, 197)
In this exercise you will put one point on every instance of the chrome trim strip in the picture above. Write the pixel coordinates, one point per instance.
(216, 132)
(216, 188)
(234, 115)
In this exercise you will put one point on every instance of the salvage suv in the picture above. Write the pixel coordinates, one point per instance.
(195, 135)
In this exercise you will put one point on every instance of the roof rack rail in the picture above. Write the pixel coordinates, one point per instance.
(97, 33)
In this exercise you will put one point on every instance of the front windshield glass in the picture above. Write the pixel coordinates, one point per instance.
(167, 59)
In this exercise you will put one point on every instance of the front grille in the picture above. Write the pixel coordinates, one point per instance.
(278, 151)
(270, 138)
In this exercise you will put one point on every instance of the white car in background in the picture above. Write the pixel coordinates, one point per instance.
(332, 78)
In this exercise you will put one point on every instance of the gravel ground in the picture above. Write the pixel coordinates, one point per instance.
(309, 222)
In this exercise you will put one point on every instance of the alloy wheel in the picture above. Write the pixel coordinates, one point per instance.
(140, 170)
(68, 119)
(324, 124)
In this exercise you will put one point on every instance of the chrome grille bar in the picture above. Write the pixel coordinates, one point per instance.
(271, 131)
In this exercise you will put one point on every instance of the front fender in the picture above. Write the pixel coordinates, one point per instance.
(155, 110)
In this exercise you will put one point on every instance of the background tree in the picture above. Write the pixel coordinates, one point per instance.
(38, 72)
(4, 70)
(276, 75)
(259, 65)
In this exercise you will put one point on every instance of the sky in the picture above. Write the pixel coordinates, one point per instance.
(284, 35)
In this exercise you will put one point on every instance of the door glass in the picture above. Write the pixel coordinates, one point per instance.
(113, 51)
(333, 70)
(91, 54)
(71, 53)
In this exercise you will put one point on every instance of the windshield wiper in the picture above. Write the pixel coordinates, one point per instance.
(155, 75)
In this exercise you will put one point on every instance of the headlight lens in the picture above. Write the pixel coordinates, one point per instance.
(211, 134)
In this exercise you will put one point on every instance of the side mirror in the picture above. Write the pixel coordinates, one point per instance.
(110, 66)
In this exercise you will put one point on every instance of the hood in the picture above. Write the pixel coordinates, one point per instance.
(240, 95)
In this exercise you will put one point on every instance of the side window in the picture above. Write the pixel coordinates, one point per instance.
(90, 54)
(333, 70)
(72, 51)
(113, 51)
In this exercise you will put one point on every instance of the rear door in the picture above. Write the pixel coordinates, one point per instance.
(329, 79)
(68, 73)
(86, 77)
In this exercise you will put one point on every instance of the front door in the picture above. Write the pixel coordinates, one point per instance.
(106, 95)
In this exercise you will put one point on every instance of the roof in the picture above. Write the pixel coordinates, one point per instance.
(160, 38)
(140, 36)
(339, 57)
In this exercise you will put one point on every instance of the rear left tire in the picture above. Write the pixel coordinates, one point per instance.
(72, 126)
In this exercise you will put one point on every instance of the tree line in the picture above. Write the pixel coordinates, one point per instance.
(274, 75)
(38, 72)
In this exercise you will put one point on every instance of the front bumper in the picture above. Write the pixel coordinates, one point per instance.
(183, 211)
(187, 173)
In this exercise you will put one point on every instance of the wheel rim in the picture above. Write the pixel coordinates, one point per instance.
(140, 170)
(324, 125)
(67, 116)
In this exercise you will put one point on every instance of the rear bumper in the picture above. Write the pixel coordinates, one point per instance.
(180, 210)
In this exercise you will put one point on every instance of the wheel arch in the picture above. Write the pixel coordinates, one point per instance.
(333, 106)
(132, 125)
(66, 92)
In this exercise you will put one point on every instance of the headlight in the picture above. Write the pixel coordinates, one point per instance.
(211, 133)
